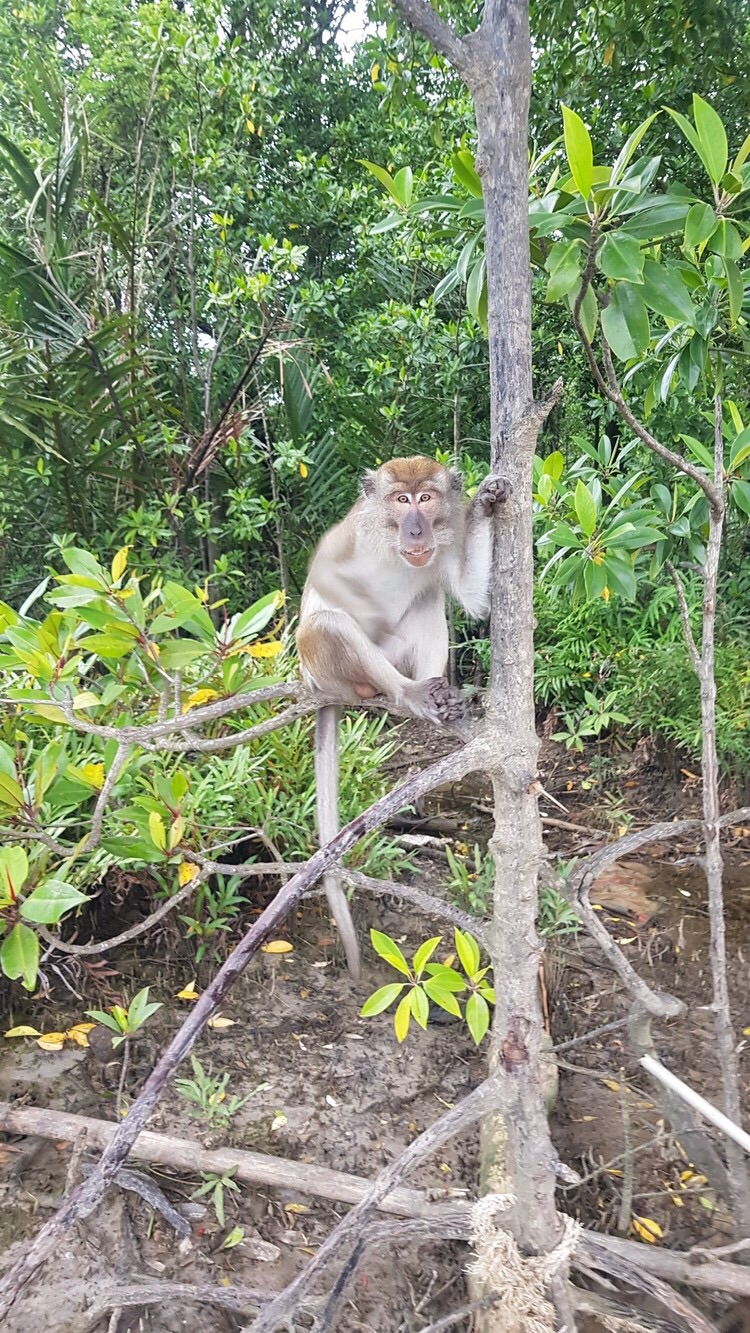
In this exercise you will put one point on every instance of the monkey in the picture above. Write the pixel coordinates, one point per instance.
(372, 616)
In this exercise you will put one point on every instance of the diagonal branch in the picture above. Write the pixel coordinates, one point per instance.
(687, 631)
(419, 14)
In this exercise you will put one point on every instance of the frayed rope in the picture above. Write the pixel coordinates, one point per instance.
(518, 1282)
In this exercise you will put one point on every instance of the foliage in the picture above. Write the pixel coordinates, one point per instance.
(87, 782)
(207, 1095)
(126, 1022)
(433, 983)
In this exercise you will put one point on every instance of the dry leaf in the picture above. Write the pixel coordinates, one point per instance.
(79, 1033)
(21, 1032)
(197, 698)
(220, 1022)
(188, 992)
(277, 946)
(51, 1041)
(647, 1229)
(612, 1085)
(296, 1208)
(185, 872)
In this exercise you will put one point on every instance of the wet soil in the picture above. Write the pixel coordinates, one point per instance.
(341, 1092)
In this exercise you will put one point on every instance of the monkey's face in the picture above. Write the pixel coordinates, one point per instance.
(412, 499)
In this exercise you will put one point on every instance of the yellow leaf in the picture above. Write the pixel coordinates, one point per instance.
(249, 126)
(677, 1201)
(220, 1022)
(746, 1032)
(444, 1167)
(176, 832)
(51, 1041)
(266, 649)
(303, 470)
(79, 1033)
(197, 698)
(277, 946)
(157, 830)
(188, 992)
(296, 1208)
(609, 51)
(94, 775)
(560, 349)
(646, 1228)
(119, 563)
(21, 1032)
(605, 594)
(185, 872)
(611, 1084)
(374, 72)
(259, 131)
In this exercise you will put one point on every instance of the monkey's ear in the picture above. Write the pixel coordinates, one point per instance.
(455, 480)
(368, 482)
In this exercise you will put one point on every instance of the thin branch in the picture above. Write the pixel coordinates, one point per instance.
(426, 902)
(102, 800)
(140, 928)
(608, 385)
(348, 1231)
(165, 1294)
(687, 631)
(419, 14)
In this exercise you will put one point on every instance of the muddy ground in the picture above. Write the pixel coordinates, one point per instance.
(342, 1093)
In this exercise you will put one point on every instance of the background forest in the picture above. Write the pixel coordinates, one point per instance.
(209, 326)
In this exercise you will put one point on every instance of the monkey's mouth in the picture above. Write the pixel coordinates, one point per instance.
(419, 556)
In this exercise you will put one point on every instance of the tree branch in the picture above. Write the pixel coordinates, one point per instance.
(687, 632)
(419, 14)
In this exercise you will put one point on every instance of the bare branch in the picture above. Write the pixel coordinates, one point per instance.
(419, 14)
(687, 632)
(426, 902)
(102, 800)
(164, 1294)
(140, 928)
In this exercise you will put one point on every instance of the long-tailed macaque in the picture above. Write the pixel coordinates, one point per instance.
(372, 619)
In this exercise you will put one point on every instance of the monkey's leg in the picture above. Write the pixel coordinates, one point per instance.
(327, 800)
(343, 662)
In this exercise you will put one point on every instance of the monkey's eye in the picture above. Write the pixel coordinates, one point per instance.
(403, 499)
(425, 497)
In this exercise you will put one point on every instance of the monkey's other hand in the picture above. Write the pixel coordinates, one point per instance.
(493, 491)
(441, 702)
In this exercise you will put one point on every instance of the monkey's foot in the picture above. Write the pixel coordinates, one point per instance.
(442, 702)
(493, 491)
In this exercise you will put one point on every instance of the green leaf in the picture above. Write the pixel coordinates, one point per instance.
(10, 792)
(420, 1006)
(402, 1018)
(665, 292)
(578, 151)
(620, 257)
(387, 224)
(463, 169)
(111, 646)
(140, 1009)
(256, 617)
(625, 323)
(740, 449)
(631, 537)
(699, 224)
(403, 186)
(183, 611)
(740, 492)
(620, 576)
(699, 451)
(446, 284)
(475, 285)
(448, 978)
(588, 312)
(692, 137)
(585, 507)
(726, 241)
(177, 654)
(19, 955)
(85, 564)
(595, 579)
(442, 997)
(385, 178)
(50, 901)
(625, 154)
(387, 949)
(713, 138)
(424, 953)
(381, 999)
(554, 465)
(477, 1017)
(467, 950)
(14, 867)
(462, 263)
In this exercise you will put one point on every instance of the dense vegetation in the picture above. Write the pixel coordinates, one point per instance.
(240, 260)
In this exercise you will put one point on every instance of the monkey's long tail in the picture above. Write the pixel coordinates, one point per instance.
(327, 799)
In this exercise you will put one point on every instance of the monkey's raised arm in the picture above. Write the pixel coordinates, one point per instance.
(469, 565)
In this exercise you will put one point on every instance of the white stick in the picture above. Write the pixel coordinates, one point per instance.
(704, 1108)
